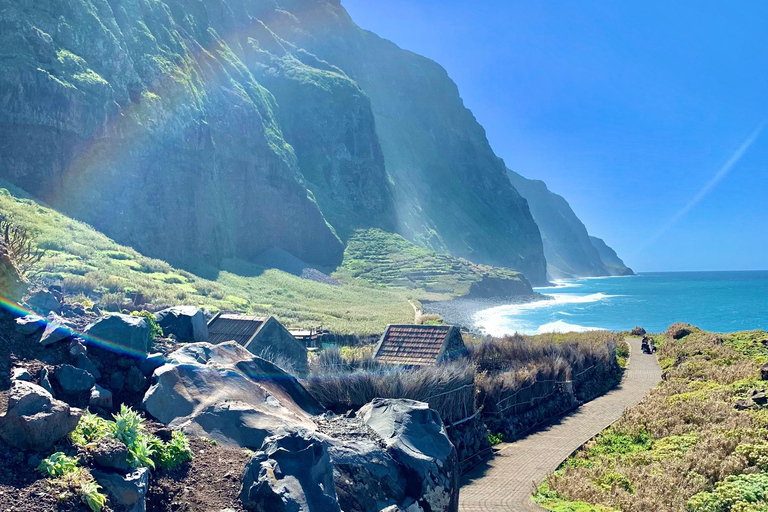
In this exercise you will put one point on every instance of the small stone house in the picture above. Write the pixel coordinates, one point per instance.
(419, 345)
(262, 336)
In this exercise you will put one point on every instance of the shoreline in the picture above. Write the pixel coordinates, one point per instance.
(461, 311)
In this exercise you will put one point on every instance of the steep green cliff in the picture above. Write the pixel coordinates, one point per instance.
(200, 130)
(613, 263)
(450, 190)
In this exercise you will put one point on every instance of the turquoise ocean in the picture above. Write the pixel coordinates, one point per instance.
(714, 301)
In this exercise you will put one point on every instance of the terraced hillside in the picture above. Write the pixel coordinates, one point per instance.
(390, 260)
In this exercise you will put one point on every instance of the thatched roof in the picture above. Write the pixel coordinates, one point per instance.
(418, 345)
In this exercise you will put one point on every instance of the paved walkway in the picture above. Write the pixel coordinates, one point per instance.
(505, 483)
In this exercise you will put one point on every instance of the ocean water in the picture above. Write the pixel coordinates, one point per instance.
(714, 301)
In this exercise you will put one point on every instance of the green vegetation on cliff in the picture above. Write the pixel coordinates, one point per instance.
(697, 443)
(386, 259)
(89, 264)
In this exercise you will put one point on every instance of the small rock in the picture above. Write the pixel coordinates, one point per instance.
(84, 363)
(125, 362)
(187, 323)
(763, 371)
(758, 396)
(135, 380)
(110, 453)
(56, 330)
(21, 374)
(743, 404)
(117, 381)
(30, 324)
(73, 380)
(45, 380)
(124, 332)
(127, 491)
(100, 397)
(77, 347)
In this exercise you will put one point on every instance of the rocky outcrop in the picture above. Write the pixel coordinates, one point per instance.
(492, 287)
(187, 323)
(291, 472)
(615, 265)
(127, 491)
(228, 395)
(34, 419)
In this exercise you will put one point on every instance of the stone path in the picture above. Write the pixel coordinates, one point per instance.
(505, 483)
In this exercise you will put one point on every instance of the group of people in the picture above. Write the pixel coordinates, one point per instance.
(649, 347)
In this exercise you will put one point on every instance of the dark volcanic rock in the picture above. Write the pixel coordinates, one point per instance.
(120, 334)
(187, 323)
(56, 329)
(127, 491)
(73, 380)
(291, 472)
(111, 454)
(100, 397)
(491, 287)
(45, 302)
(34, 419)
(30, 324)
(416, 438)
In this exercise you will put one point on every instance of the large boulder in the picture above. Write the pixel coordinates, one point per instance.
(291, 473)
(127, 491)
(416, 438)
(123, 334)
(30, 324)
(187, 323)
(34, 419)
(45, 302)
(225, 393)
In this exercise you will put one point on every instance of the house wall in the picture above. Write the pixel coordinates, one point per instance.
(274, 342)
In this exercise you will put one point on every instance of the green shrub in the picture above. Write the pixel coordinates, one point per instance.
(611, 479)
(614, 443)
(127, 426)
(735, 493)
(155, 331)
(57, 465)
(756, 454)
(175, 452)
(141, 451)
(89, 429)
(495, 439)
(90, 493)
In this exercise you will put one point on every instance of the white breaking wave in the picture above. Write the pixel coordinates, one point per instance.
(509, 319)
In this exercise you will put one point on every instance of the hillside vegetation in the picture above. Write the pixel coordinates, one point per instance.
(390, 260)
(697, 443)
(90, 265)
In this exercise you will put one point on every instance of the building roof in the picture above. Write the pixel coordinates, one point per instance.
(416, 344)
(232, 327)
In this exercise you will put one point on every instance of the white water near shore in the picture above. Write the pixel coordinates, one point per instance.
(509, 319)
(714, 301)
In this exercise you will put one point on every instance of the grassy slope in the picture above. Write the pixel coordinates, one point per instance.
(85, 261)
(685, 448)
(390, 260)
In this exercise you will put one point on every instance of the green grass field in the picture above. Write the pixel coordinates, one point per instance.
(89, 264)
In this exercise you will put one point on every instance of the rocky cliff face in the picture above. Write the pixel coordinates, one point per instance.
(197, 130)
(567, 246)
(613, 263)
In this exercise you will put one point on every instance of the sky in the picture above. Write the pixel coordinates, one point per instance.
(646, 116)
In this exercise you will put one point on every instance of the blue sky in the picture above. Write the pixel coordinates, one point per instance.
(628, 109)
